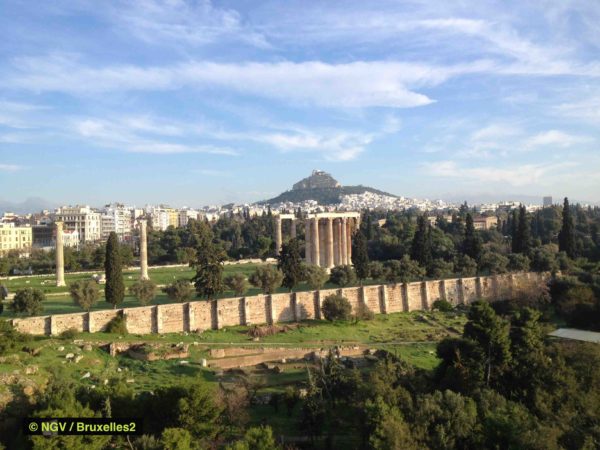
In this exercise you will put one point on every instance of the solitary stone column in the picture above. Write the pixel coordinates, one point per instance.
(344, 244)
(144, 250)
(308, 241)
(316, 254)
(329, 241)
(60, 258)
(278, 237)
(349, 242)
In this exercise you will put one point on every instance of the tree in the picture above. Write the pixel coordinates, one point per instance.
(289, 262)
(315, 276)
(256, 438)
(421, 244)
(360, 256)
(523, 241)
(493, 262)
(179, 290)
(472, 241)
(176, 439)
(336, 307)
(403, 271)
(237, 282)
(209, 268)
(85, 293)
(342, 276)
(376, 270)
(566, 236)
(29, 301)
(197, 411)
(518, 262)
(466, 266)
(143, 290)
(267, 278)
(114, 291)
(491, 333)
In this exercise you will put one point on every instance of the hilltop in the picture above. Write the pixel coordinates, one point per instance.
(323, 188)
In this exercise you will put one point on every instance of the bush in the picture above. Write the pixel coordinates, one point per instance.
(363, 312)
(85, 293)
(143, 290)
(118, 325)
(377, 270)
(336, 307)
(3, 292)
(10, 338)
(179, 290)
(237, 283)
(69, 334)
(28, 300)
(442, 305)
(315, 276)
(267, 278)
(518, 262)
(343, 276)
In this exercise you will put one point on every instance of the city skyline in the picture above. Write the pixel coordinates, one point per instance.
(197, 103)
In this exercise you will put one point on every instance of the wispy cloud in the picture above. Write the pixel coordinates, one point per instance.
(10, 167)
(555, 138)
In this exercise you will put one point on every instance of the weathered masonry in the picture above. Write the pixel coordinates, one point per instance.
(286, 307)
(328, 237)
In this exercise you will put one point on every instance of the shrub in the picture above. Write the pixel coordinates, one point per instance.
(442, 305)
(118, 325)
(336, 307)
(85, 293)
(518, 262)
(143, 290)
(315, 276)
(28, 300)
(69, 334)
(10, 338)
(363, 312)
(343, 276)
(267, 278)
(237, 282)
(377, 270)
(3, 292)
(179, 290)
(403, 270)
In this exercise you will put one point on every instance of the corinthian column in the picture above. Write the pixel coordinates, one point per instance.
(308, 241)
(293, 231)
(60, 258)
(349, 242)
(144, 250)
(316, 254)
(344, 242)
(329, 242)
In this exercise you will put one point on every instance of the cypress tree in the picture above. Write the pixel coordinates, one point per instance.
(290, 263)
(421, 244)
(566, 236)
(114, 291)
(515, 243)
(472, 243)
(523, 232)
(360, 255)
(209, 270)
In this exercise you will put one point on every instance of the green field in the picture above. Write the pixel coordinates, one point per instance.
(58, 300)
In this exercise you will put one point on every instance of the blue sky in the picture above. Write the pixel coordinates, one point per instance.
(199, 102)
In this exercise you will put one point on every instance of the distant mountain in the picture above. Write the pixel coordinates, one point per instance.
(321, 187)
(30, 205)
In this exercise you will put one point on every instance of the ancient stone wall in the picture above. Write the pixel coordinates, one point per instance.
(285, 307)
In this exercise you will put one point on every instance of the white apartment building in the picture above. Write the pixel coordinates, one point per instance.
(82, 219)
(185, 215)
(14, 238)
(118, 218)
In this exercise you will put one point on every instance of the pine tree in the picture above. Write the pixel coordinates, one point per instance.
(290, 263)
(114, 292)
(209, 270)
(472, 242)
(566, 236)
(360, 255)
(421, 244)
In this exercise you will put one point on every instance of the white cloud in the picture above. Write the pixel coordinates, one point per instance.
(10, 167)
(555, 138)
(587, 109)
(517, 176)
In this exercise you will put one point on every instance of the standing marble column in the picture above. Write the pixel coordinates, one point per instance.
(278, 238)
(349, 242)
(316, 254)
(293, 230)
(336, 242)
(60, 258)
(344, 243)
(329, 242)
(308, 241)
(144, 250)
